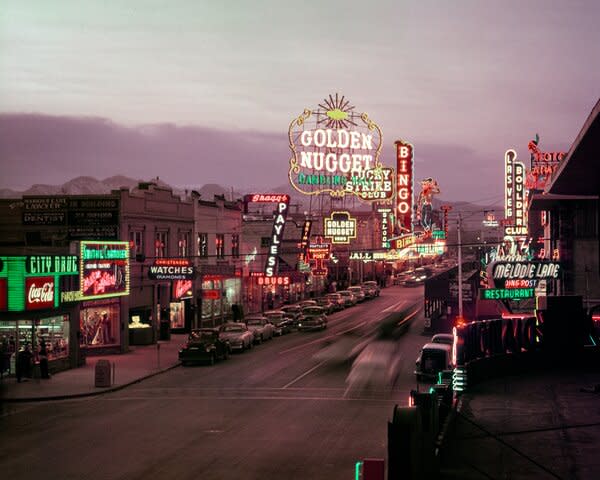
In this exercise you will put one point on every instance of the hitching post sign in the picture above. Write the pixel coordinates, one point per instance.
(336, 150)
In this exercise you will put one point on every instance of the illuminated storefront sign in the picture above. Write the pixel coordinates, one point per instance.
(305, 239)
(376, 184)
(489, 219)
(429, 188)
(182, 289)
(319, 252)
(521, 283)
(334, 150)
(340, 227)
(276, 280)
(39, 293)
(282, 201)
(404, 241)
(171, 269)
(543, 165)
(445, 209)
(525, 270)
(52, 264)
(103, 269)
(404, 186)
(364, 256)
(385, 226)
(211, 294)
(514, 195)
(506, 293)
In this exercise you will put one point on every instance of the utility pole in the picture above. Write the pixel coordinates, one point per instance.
(460, 291)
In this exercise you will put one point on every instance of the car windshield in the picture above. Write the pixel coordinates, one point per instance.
(233, 328)
(203, 335)
(312, 311)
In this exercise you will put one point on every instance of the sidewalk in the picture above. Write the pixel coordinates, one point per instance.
(139, 363)
(539, 425)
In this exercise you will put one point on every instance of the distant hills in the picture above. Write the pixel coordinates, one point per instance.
(472, 213)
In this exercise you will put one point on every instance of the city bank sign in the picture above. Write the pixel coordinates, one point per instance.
(336, 150)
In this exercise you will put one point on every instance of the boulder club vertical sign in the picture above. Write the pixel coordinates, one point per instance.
(404, 187)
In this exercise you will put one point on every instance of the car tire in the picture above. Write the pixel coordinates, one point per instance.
(226, 353)
(211, 360)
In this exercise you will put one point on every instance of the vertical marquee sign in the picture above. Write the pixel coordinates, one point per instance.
(281, 210)
(385, 226)
(514, 196)
(104, 269)
(336, 150)
(404, 187)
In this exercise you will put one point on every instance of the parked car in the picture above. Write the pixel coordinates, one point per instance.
(280, 321)
(349, 298)
(204, 345)
(307, 303)
(446, 338)
(313, 318)
(260, 327)
(337, 300)
(358, 292)
(327, 304)
(238, 335)
(433, 359)
(371, 288)
(293, 312)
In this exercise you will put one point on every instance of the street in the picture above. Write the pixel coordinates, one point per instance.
(274, 412)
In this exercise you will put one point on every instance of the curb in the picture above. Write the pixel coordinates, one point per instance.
(88, 394)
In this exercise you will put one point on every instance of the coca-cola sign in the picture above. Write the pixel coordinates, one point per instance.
(39, 293)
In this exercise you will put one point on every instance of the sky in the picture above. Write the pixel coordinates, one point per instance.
(200, 91)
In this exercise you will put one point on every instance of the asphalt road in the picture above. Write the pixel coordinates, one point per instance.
(275, 412)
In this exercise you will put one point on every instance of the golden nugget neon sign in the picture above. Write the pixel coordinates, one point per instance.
(334, 150)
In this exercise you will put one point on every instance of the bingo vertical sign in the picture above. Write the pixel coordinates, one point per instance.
(404, 187)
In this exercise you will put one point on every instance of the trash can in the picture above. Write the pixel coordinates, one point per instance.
(165, 331)
(102, 373)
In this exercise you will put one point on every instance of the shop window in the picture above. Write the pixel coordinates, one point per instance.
(183, 244)
(99, 325)
(54, 331)
(235, 245)
(220, 245)
(177, 314)
(203, 244)
(160, 244)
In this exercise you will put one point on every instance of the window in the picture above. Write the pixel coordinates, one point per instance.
(235, 245)
(203, 244)
(136, 242)
(220, 245)
(160, 244)
(183, 243)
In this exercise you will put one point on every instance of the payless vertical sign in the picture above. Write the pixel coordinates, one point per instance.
(276, 236)
(404, 187)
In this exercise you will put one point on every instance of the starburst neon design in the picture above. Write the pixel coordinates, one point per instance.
(336, 112)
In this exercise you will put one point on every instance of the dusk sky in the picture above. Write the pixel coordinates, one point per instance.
(203, 92)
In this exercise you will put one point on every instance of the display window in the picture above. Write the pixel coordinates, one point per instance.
(177, 314)
(99, 324)
(54, 331)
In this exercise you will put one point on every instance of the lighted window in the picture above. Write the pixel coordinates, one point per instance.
(99, 324)
(136, 242)
(235, 245)
(203, 244)
(220, 245)
(183, 244)
(160, 244)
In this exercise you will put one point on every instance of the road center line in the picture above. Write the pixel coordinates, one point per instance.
(304, 374)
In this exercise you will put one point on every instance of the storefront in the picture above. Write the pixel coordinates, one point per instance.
(218, 293)
(31, 311)
(181, 307)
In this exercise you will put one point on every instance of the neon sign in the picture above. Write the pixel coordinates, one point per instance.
(182, 289)
(525, 270)
(404, 186)
(385, 226)
(103, 269)
(276, 280)
(514, 195)
(171, 269)
(276, 236)
(376, 184)
(543, 164)
(429, 188)
(39, 293)
(340, 227)
(52, 264)
(506, 293)
(364, 256)
(334, 150)
(319, 252)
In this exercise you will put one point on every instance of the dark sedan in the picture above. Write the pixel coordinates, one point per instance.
(314, 318)
(204, 345)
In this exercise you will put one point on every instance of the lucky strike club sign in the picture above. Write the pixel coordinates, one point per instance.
(104, 269)
(336, 150)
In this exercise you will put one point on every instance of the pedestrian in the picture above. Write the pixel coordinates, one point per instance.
(23, 363)
(43, 355)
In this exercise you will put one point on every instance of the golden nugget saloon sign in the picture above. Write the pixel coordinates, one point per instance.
(336, 150)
